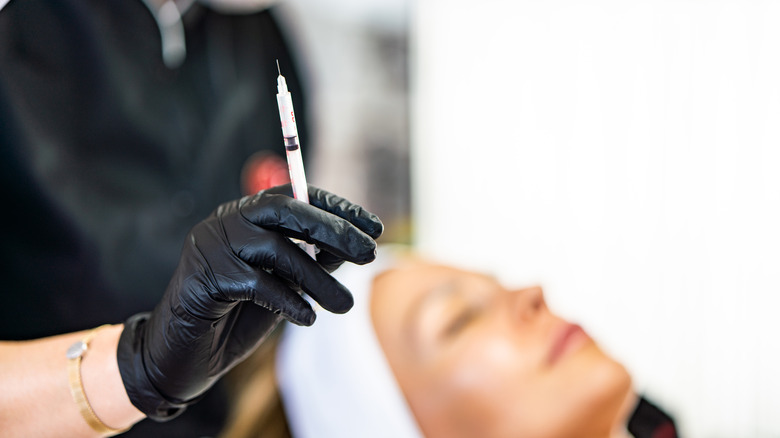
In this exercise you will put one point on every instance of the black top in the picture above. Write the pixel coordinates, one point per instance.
(108, 157)
(649, 421)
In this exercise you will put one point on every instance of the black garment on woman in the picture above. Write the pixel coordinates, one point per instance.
(649, 421)
(108, 158)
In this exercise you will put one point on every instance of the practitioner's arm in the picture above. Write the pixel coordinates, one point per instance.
(36, 399)
(239, 274)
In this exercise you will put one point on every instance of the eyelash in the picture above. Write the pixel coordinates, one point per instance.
(461, 321)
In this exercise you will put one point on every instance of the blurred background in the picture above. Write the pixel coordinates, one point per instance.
(354, 55)
(623, 154)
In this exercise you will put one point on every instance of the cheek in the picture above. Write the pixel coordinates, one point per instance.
(497, 388)
(591, 386)
(582, 397)
(473, 390)
(494, 365)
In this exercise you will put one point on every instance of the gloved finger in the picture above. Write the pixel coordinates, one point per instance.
(247, 283)
(297, 268)
(306, 222)
(287, 262)
(277, 297)
(252, 324)
(358, 216)
(363, 219)
(248, 325)
(330, 262)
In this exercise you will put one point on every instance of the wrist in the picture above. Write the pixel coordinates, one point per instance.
(101, 383)
(141, 392)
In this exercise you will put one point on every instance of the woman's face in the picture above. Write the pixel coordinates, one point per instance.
(477, 360)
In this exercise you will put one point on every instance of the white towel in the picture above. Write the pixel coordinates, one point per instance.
(333, 376)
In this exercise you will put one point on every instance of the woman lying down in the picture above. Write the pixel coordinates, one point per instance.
(438, 352)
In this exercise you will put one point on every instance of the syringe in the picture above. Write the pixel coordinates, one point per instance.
(293, 148)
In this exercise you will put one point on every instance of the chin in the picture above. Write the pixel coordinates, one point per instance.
(610, 386)
(607, 373)
(599, 389)
(586, 400)
(618, 382)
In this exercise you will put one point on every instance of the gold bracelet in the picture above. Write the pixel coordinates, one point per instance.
(75, 354)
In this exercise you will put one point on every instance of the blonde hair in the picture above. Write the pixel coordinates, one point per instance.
(256, 408)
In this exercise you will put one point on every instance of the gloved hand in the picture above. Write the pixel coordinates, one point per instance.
(237, 273)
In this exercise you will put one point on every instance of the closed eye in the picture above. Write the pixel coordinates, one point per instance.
(460, 322)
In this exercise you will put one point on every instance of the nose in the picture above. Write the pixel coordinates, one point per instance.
(527, 303)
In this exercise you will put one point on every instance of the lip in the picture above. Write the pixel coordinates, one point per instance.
(569, 338)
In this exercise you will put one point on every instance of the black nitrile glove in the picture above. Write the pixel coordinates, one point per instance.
(237, 273)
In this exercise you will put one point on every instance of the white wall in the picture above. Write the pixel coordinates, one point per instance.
(625, 155)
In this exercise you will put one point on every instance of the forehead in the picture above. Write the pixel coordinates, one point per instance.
(411, 280)
(394, 291)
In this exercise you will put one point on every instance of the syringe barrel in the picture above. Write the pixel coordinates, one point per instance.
(287, 115)
(293, 150)
(297, 174)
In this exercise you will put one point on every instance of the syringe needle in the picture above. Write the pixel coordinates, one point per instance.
(277, 67)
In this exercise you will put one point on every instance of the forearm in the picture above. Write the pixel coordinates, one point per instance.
(36, 400)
